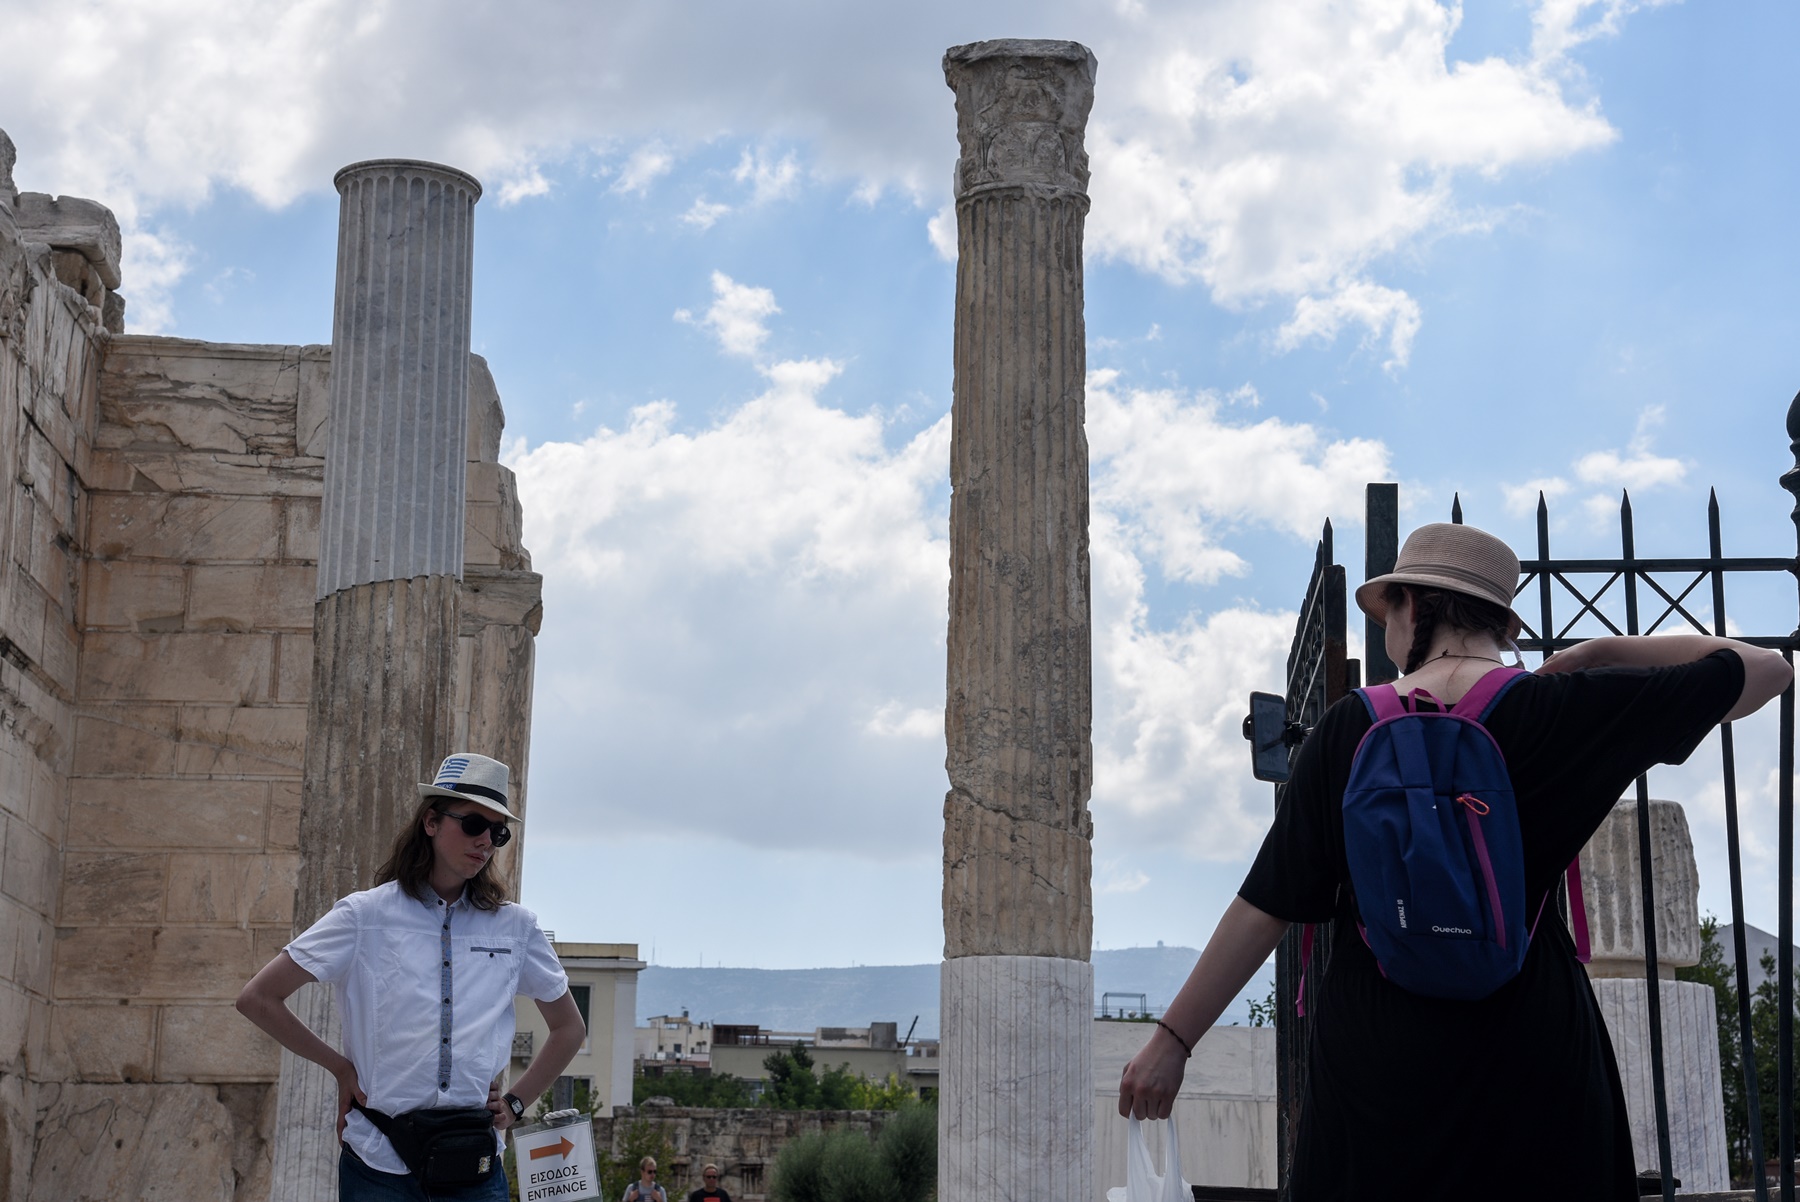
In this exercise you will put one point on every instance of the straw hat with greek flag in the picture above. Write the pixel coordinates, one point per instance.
(473, 778)
(1459, 558)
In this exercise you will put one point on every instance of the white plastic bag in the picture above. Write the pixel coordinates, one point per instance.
(1142, 1182)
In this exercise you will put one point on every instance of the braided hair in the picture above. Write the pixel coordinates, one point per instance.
(1433, 607)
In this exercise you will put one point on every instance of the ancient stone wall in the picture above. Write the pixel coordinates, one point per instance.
(50, 350)
(159, 518)
(743, 1143)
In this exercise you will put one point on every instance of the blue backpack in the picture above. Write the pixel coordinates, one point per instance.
(1431, 833)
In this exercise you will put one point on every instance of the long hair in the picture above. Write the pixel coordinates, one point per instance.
(410, 864)
(1434, 607)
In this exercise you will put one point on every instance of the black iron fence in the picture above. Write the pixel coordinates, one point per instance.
(1563, 601)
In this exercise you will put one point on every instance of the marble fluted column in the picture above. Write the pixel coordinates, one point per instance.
(1612, 887)
(1016, 1103)
(385, 622)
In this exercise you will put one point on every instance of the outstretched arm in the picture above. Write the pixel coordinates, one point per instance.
(1241, 945)
(1766, 672)
(264, 1002)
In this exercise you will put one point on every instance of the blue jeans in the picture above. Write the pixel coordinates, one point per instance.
(357, 1182)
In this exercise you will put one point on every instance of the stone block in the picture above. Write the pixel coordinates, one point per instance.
(61, 650)
(243, 597)
(501, 598)
(293, 675)
(113, 888)
(183, 471)
(229, 398)
(1612, 890)
(33, 953)
(242, 889)
(49, 798)
(22, 617)
(284, 816)
(15, 1026)
(237, 740)
(178, 667)
(213, 1043)
(481, 535)
(112, 313)
(77, 274)
(70, 223)
(128, 594)
(28, 869)
(300, 530)
(314, 406)
(127, 740)
(15, 921)
(487, 417)
(224, 814)
(182, 963)
(104, 1041)
(149, 1143)
(184, 529)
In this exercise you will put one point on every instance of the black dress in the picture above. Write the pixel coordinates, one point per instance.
(1516, 1095)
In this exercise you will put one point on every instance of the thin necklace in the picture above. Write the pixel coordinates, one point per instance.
(1490, 659)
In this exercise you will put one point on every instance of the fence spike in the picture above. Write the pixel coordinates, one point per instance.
(1456, 509)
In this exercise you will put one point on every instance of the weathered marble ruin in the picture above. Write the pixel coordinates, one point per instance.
(1612, 887)
(159, 522)
(1016, 1107)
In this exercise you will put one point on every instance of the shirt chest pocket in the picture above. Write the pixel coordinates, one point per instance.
(487, 964)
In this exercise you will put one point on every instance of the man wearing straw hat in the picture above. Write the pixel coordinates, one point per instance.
(425, 967)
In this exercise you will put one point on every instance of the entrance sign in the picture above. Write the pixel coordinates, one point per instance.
(555, 1163)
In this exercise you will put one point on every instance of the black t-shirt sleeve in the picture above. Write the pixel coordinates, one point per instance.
(1295, 875)
(1575, 741)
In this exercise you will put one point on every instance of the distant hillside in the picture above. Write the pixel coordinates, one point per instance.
(800, 999)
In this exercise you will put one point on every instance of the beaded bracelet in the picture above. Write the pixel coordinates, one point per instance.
(1178, 1039)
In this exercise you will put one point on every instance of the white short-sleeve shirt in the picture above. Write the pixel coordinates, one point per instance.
(425, 991)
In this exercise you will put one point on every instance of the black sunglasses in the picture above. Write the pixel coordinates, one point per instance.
(474, 824)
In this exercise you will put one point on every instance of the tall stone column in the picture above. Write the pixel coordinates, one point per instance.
(1016, 1104)
(1612, 886)
(385, 622)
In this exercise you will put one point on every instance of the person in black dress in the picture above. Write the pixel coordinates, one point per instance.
(1517, 1094)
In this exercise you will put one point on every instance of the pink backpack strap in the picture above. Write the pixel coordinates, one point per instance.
(1477, 699)
(1578, 913)
(1385, 701)
(1306, 940)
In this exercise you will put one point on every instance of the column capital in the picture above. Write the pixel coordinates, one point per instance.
(410, 168)
(1021, 112)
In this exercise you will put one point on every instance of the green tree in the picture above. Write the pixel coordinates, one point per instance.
(844, 1166)
(908, 1149)
(1262, 1014)
(891, 1094)
(719, 1091)
(792, 1085)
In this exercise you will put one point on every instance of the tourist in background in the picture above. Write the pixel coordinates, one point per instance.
(1398, 1083)
(645, 1189)
(709, 1191)
(425, 967)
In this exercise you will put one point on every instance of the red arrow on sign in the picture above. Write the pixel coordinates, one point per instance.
(561, 1148)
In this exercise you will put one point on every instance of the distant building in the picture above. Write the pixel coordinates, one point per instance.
(674, 1039)
(873, 1051)
(603, 981)
(1756, 942)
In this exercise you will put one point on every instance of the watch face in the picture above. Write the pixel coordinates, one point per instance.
(517, 1107)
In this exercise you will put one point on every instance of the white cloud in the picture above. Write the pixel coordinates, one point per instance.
(941, 230)
(737, 317)
(1521, 499)
(895, 721)
(769, 179)
(647, 164)
(1273, 153)
(704, 213)
(1371, 306)
(524, 187)
(1177, 477)
(748, 615)
(1115, 877)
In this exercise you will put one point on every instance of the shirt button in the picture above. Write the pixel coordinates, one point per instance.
(443, 1085)
(446, 1001)
(446, 964)
(446, 1041)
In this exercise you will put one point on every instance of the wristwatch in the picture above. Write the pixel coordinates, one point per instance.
(513, 1104)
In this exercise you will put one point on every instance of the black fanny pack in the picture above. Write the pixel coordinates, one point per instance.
(442, 1147)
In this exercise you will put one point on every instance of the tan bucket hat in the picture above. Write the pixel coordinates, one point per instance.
(1461, 559)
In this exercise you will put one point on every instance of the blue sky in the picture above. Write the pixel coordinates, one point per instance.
(1486, 249)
